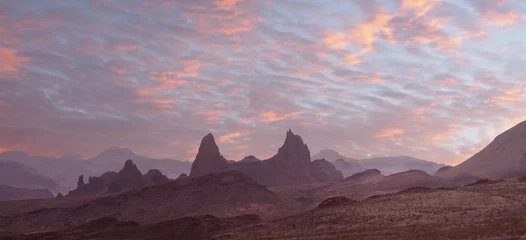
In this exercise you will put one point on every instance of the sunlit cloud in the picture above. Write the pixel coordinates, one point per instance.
(10, 61)
(365, 77)
(394, 134)
(335, 41)
(366, 33)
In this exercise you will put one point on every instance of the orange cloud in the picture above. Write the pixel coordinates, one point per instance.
(365, 33)
(419, 7)
(335, 41)
(395, 134)
(270, 116)
(353, 59)
(227, 4)
(125, 47)
(10, 61)
(420, 113)
(496, 18)
(509, 97)
(230, 138)
(212, 116)
(450, 82)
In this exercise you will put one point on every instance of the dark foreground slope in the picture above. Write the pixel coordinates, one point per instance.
(222, 194)
(187, 228)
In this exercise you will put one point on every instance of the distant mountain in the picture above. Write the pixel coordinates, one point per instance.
(65, 171)
(387, 165)
(222, 194)
(392, 165)
(292, 164)
(112, 158)
(9, 193)
(18, 175)
(129, 178)
(329, 155)
(504, 157)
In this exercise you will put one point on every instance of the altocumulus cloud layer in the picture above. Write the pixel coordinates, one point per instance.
(431, 79)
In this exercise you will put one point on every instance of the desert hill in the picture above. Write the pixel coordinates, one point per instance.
(504, 157)
(365, 184)
(487, 211)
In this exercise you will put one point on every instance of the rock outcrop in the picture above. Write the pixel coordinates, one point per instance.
(292, 164)
(129, 178)
(208, 159)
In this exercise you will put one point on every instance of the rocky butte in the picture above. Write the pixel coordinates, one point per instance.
(290, 166)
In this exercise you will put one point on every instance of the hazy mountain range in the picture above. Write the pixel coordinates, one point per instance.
(66, 170)
(387, 165)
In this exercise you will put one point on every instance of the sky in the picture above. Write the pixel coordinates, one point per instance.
(437, 80)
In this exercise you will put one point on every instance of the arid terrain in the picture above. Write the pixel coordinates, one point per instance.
(230, 200)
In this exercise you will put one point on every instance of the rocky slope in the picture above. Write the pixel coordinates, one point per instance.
(504, 157)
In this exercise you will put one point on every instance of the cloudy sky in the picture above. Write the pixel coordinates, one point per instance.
(432, 79)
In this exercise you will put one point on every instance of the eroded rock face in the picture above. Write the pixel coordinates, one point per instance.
(294, 150)
(208, 159)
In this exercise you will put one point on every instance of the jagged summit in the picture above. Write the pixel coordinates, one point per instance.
(130, 168)
(208, 158)
(293, 149)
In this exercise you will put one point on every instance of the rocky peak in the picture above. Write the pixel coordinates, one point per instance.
(293, 149)
(130, 169)
(80, 182)
(208, 158)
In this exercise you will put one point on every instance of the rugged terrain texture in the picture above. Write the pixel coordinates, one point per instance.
(222, 194)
